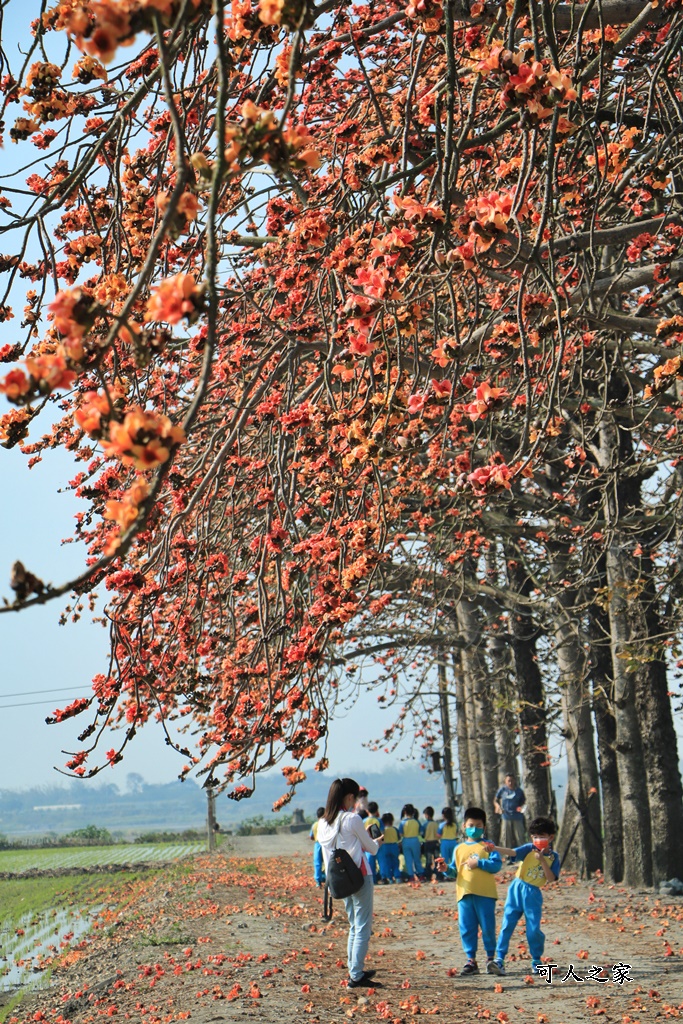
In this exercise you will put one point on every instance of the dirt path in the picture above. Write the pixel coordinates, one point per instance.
(242, 939)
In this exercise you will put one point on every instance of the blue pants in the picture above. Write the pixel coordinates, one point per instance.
(431, 849)
(318, 868)
(475, 912)
(411, 852)
(372, 864)
(526, 899)
(387, 858)
(359, 913)
(447, 848)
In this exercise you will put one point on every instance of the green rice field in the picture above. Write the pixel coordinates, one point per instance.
(43, 916)
(21, 861)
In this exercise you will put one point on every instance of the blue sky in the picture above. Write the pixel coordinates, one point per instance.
(45, 665)
(39, 655)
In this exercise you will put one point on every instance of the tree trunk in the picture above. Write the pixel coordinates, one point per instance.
(581, 815)
(532, 711)
(505, 721)
(505, 718)
(606, 727)
(475, 793)
(504, 696)
(210, 820)
(660, 750)
(630, 761)
(640, 675)
(477, 673)
(445, 715)
(462, 728)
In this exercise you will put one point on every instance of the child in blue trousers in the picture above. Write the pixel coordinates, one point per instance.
(387, 855)
(409, 831)
(373, 819)
(538, 865)
(448, 834)
(430, 836)
(476, 863)
(318, 865)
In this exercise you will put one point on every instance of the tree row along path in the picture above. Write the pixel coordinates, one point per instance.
(241, 939)
(354, 332)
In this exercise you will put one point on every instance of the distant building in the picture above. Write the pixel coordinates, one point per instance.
(59, 807)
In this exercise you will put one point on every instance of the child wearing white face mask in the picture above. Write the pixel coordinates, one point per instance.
(538, 865)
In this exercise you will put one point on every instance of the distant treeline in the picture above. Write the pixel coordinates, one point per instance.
(91, 835)
(139, 807)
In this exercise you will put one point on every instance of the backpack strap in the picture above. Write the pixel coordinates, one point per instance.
(327, 896)
(339, 825)
(327, 904)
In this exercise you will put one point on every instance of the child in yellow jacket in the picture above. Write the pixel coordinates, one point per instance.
(476, 862)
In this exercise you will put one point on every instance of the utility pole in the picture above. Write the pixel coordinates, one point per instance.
(211, 820)
(446, 730)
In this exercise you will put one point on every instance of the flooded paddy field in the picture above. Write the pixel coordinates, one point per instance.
(51, 900)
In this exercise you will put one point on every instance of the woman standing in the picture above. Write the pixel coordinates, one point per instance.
(340, 828)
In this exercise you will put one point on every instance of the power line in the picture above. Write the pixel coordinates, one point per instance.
(27, 704)
(35, 703)
(30, 693)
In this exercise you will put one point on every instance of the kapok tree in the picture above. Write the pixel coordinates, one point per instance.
(311, 282)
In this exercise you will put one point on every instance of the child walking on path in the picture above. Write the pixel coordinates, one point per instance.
(476, 862)
(409, 830)
(387, 855)
(318, 866)
(430, 834)
(373, 819)
(538, 865)
(448, 831)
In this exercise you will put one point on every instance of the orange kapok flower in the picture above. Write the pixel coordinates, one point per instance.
(486, 397)
(71, 312)
(270, 11)
(15, 385)
(124, 512)
(94, 410)
(143, 440)
(187, 205)
(14, 427)
(50, 371)
(173, 299)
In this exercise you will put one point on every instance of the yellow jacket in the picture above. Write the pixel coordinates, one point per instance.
(475, 881)
(430, 831)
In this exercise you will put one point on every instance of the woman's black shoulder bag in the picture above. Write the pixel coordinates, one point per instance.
(344, 877)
